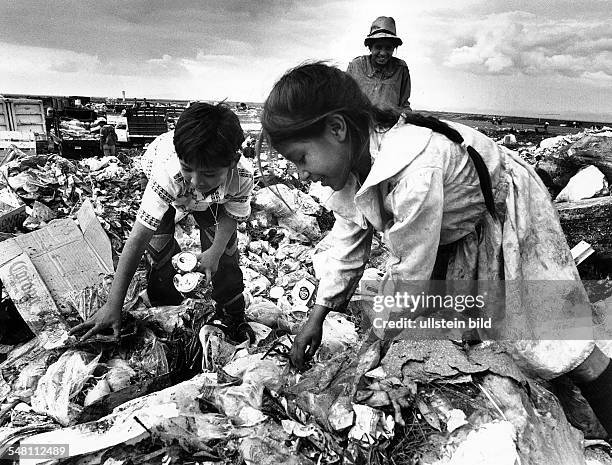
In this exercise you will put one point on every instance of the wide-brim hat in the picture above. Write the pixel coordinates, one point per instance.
(383, 27)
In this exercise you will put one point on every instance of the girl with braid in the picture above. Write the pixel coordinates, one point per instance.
(429, 185)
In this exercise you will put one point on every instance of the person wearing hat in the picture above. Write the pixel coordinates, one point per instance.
(384, 78)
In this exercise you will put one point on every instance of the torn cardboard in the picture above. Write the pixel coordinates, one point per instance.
(44, 270)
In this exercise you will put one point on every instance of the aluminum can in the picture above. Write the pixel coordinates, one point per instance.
(185, 262)
(185, 283)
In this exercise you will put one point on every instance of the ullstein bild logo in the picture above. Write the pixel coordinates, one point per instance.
(18, 272)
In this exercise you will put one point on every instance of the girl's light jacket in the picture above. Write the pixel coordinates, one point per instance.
(423, 191)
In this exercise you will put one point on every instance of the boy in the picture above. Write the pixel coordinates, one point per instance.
(195, 169)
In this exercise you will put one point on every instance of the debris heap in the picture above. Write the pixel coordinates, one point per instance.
(175, 390)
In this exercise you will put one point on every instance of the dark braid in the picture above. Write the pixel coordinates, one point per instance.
(441, 127)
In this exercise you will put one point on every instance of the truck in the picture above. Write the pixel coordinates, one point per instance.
(71, 133)
(145, 123)
(22, 124)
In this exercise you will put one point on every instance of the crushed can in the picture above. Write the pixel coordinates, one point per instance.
(185, 262)
(186, 283)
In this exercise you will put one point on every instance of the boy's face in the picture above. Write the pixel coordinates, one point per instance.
(204, 179)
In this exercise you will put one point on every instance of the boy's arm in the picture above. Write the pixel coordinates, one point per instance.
(209, 260)
(225, 229)
(132, 252)
(109, 315)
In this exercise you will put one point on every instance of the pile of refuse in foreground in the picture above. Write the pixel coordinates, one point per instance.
(173, 390)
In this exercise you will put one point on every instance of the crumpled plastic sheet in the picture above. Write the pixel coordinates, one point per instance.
(491, 443)
(265, 312)
(150, 357)
(292, 210)
(5, 389)
(172, 414)
(339, 334)
(322, 386)
(266, 445)
(242, 403)
(27, 381)
(63, 380)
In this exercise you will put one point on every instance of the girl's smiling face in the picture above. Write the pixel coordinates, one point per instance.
(325, 158)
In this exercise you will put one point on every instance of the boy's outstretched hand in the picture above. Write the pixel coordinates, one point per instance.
(208, 262)
(106, 317)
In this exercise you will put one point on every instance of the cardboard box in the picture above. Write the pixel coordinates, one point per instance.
(43, 271)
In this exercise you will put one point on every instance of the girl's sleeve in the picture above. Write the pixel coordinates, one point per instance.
(417, 205)
(340, 267)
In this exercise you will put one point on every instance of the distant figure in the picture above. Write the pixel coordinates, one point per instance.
(248, 151)
(384, 78)
(50, 115)
(546, 124)
(108, 139)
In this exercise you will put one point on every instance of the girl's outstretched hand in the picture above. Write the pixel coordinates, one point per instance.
(308, 339)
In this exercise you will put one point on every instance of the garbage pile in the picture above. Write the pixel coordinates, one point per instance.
(175, 390)
(76, 129)
(574, 166)
(55, 187)
(577, 170)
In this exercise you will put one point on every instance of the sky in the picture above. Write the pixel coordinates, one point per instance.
(514, 57)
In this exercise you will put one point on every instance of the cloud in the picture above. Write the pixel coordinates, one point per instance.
(40, 59)
(525, 53)
(524, 43)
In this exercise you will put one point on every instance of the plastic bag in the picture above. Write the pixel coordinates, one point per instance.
(150, 357)
(339, 334)
(267, 445)
(100, 390)
(63, 380)
(243, 403)
(292, 208)
(169, 317)
(119, 374)
(171, 415)
(265, 312)
(28, 378)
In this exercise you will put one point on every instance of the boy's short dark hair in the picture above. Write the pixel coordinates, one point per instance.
(208, 135)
